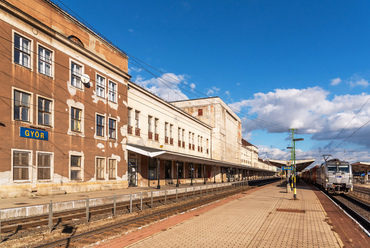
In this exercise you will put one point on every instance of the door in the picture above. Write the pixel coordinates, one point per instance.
(132, 172)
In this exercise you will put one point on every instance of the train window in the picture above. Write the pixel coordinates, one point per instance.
(343, 168)
(332, 168)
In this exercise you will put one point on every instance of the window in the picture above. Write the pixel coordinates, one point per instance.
(150, 133)
(166, 132)
(21, 165)
(43, 166)
(22, 51)
(183, 138)
(112, 168)
(112, 129)
(129, 120)
(45, 60)
(168, 169)
(100, 125)
(100, 86)
(21, 106)
(181, 170)
(76, 119)
(171, 133)
(192, 139)
(100, 168)
(200, 112)
(44, 112)
(112, 91)
(199, 170)
(137, 123)
(156, 130)
(152, 168)
(76, 168)
(179, 137)
(189, 140)
(76, 73)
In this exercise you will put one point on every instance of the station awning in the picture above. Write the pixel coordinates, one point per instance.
(361, 166)
(301, 164)
(170, 155)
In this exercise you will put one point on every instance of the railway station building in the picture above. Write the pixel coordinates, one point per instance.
(63, 103)
(173, 143)
(72, 121)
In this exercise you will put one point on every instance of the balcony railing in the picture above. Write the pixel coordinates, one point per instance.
(166, 140)
(156, 136)
(129, 129)
(150, 135)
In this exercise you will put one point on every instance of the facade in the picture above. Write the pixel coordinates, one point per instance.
(249, 154)
(168, 133)
(62, 105)
(226, 126)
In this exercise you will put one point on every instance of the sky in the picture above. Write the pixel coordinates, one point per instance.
(277, 64)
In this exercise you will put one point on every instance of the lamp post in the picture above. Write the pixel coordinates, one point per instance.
(289, 174)
(295, 170)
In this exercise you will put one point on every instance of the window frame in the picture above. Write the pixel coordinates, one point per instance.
(30, 108)
(152, 167)
(30, 153)
(30, 64)
(51, 63)
(100, 126)
(115, 128)
(113, 91)
(81, 167)
(51, 154)
(72, 74)
(51, 111)
(108, 168)
(103, 169)
(98, 85)
(79, 120)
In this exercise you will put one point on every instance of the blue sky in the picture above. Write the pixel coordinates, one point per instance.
(301, 64)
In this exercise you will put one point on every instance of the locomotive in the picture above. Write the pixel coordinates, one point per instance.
(334, 176)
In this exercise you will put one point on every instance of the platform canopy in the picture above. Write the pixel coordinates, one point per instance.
(300, 164)
(361, 166)
(170, 155)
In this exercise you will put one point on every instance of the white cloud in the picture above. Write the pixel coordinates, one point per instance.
(308, 110)
(192, 86)
(360, 82)
(166, 86)
(227, 93)
(335, 81)
(214, 90)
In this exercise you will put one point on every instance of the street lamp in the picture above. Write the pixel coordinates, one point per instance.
(295, 169)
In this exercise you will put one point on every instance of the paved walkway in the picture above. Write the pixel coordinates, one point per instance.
(268, 217)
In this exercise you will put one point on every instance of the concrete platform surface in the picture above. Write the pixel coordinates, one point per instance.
(268, 217)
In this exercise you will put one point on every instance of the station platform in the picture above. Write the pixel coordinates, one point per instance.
(262, 217)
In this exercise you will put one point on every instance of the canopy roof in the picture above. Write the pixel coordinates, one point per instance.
(170, 155)
(300, 164)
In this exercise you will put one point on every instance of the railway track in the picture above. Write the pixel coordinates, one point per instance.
(13, 229)
(357, 209)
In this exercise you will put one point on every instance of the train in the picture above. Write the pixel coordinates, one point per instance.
(334, 176)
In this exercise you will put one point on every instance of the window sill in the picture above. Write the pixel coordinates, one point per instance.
(21, 181)
(22, 66)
